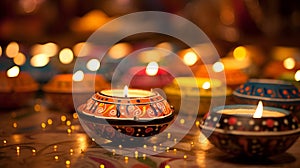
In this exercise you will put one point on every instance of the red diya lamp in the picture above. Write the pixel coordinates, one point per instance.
(242, 130)
(148, 77)
(17, 88)
(64, 91)
(125, 116)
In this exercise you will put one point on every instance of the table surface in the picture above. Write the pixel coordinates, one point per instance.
(53, 146)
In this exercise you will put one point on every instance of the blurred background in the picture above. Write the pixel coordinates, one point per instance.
(34, 33)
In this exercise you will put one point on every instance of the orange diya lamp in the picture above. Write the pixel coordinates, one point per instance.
(125, 116)
(17, 88)
(64, 91)
(251, 131)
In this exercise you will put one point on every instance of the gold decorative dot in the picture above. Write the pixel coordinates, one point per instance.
(69, 131)
(4, 141)
(167, 166)
(75, 115)
(68, 123)
(15, 125)
(102, 166)
(68, 162)
(43, 125)
(63, 118)
(182, 121)
(56, 158)
(50, 121)
(184, 156)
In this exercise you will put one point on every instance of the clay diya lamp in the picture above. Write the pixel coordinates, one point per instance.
(194, 91)
(247, 131)
(234, 77)
(16, 91)
(149, 77)
(125, 118)
(63, 92)
(274, 93)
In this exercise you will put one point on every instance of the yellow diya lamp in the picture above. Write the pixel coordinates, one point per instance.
(233, 77)
(205, 89)
(17, 88)
(65, 90)
(125, 116)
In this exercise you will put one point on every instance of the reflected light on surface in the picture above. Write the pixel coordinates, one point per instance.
(20, 59)
(240, 53)
(82, 142)
(297, 76)
(120, 50)
(259, 110)
(206, 85)
(93, 64)
(190, 58)
(13, 72)
(12, 49)
(218, 67)
(152, 69)
(66, 56)
(78, 76)
(39, 60)
(289, 63)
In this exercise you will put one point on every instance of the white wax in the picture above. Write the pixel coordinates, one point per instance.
(250, 112)
(131, 93)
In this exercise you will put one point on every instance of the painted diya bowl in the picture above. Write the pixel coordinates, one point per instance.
(17, 91)
(274, 93)
(186, 92)
(110, 115)
(234, 130)
(63, 92)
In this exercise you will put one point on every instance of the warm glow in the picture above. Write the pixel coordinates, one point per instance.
(93, 64)
(289, 63)
(20, 59)
(78, 76)
(151, 55)
(206, 85)
(12, 49)
(240, 53)
(259, 110)
(0, 51)
(218, 67)
(125, 91)
(190, 58)
(13, 72)
(66, 56)
(49, 49)
(39, 60)
(165, 45)
(297, 75)
(227, 16)
(29, 6)
(119, 50)
(152, 69)
(82, 49)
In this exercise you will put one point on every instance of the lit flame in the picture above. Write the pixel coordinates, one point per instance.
(78, 76)
(190, 58)
(259, 110)
(289, 63)
(240, 53)
(93, 64)
(66, 56)
(152, 68)
(39, 60)
(206, 85)
(13, 72)
(0, 51)
(125, 91)
(297, 75)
